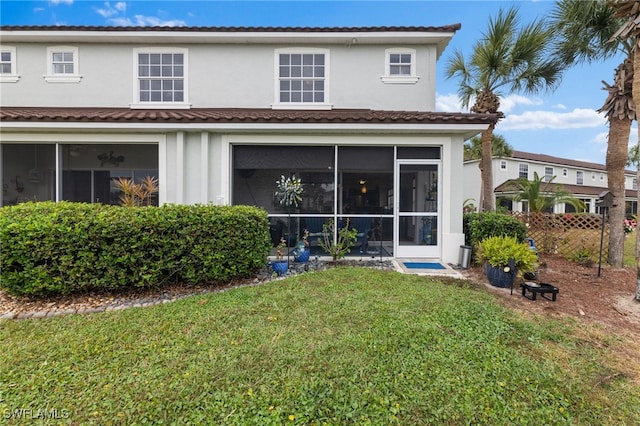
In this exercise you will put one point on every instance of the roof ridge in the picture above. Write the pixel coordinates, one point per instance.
(546, 157)
(441, 28)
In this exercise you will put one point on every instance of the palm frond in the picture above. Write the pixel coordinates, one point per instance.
(584, 30)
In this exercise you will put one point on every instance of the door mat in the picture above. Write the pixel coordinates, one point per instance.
(424, 265)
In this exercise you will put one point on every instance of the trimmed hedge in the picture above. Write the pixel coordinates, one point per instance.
(61, 248)
(478, 226)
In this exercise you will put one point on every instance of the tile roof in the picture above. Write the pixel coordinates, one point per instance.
(556, 160)
(443, 28)
(237, 115)
(509, 186)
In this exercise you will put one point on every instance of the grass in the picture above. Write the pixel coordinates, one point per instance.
(348, 345)
(629, 257)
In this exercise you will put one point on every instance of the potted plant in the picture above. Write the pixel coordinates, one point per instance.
(281, 265)
(504, 257)
(301, 252)
(289, 194)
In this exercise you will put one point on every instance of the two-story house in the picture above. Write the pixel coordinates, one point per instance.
(217, 115)
(586, 181)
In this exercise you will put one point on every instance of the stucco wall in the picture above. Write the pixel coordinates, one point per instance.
(219, 76)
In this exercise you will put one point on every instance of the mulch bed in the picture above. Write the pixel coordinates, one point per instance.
(608, 299)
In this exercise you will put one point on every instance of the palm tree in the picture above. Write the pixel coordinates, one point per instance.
(507, 59)
(586, 33)
(542, 195)
(499, 148)
(629, 31)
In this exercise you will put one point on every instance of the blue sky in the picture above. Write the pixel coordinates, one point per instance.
(563, 123)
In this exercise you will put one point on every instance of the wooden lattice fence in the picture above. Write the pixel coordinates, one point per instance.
(574, 236)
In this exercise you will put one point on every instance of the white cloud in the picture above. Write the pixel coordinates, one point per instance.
(560, 106)
(451, 103)
(38, 9)
(108, 10)
(147, 21)
(509, 102)
(601, 138)
(57, 2)
(157, 22)
(448, 103)
(576, 119)
(121, 22)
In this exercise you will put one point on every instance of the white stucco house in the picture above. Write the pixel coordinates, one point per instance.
(219, 114)
(585, 180)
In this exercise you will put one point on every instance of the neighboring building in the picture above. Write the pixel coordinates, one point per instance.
(219, 114)
(586, 181)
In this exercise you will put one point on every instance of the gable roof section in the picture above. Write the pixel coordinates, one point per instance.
(542, 158)
(238, 115)
(551, 160)
(508, 186)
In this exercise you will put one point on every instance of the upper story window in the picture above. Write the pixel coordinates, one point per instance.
(548, 174)
(400, 66)
(8, 73)
(302, 78)
(593, 176)
(601, 176)
(579, 177)
(634, 183)
(565, 172)
(160, 78)
(63, 65)
(523, 171)
(503, 164)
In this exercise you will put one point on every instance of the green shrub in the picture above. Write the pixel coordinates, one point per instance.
(585, 256)
(478, 226)
(346, 239)
(498, 250)
(61, 248)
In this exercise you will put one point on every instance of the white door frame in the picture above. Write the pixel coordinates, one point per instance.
(418, 216)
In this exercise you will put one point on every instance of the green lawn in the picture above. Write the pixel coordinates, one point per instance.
(344, 346)
(629, 257)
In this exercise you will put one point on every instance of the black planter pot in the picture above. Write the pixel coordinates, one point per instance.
(498, 277)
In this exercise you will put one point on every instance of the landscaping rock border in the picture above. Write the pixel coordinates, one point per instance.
(23, 308)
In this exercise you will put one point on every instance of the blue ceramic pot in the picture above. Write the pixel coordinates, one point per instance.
(280, 267)
(303, 256)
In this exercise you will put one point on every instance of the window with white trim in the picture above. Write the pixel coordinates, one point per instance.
(634, 183)
(302, 78)
(579, 177)
(400, 66)
(63, 65)
(565, 172)
(593, 176)
(503, 164)
(601, 176)
(523, 170)
(8, 73)
(548, 174)
(160, 78)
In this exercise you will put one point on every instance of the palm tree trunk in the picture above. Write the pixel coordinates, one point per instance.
(636, 100)
(486, 170)
(617, 153)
